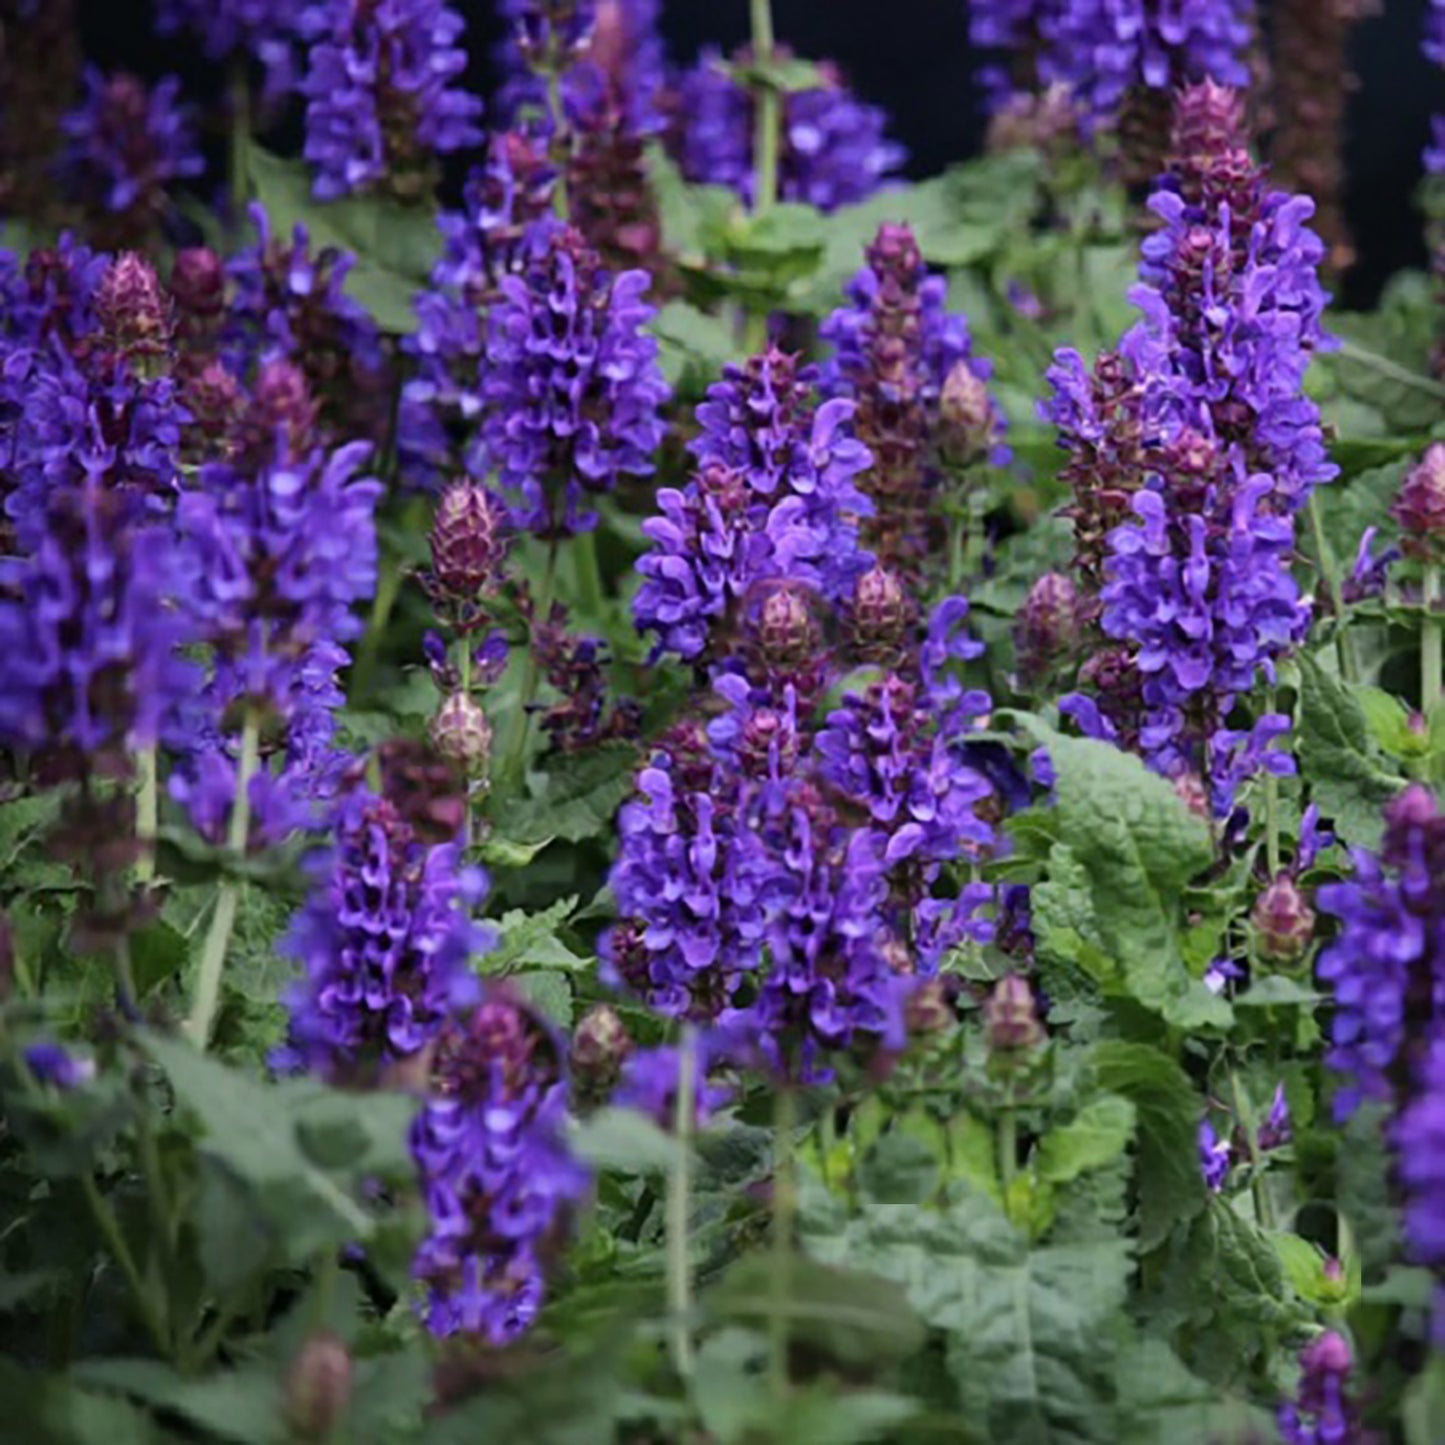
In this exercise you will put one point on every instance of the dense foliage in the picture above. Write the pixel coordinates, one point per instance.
(656, 788)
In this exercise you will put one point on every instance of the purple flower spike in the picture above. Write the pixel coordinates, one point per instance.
(127, 144)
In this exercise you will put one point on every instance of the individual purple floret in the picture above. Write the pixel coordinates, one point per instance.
(498, 1182)
(1215, 1157)
(572, 388)
(650, 1078)
(291, 304)
(54, 1064)
(1278, 1127)
(1323, 1413)
(382, 101)
(774, 497)
(383, 942)
(126, 145)
(833, 151)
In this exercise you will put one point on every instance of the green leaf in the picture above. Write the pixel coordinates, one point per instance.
(1138, 845)
(250, 1128)
(395, 246)
(1171, 1190)
(550, 993)
(1028, 1333)
(529, 940)
(578, 797)
(624, 1140)
(1095, 1136)
(848, 1316)
(40, 1409)
(1348, 777)
(693, 345)
(243, 1404)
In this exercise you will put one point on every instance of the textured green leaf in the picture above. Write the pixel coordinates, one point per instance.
(41, 1409)
(243, 1405)
(1171, 1190)
(1138, 845)
(529, 940)
(623, 1139)
(1348, 776)
(1095, 1136)
(577, 799)
(1027, 1332)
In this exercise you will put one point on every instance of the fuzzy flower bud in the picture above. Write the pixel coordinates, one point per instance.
(600, 1046)
(318, 1387)
(423, 786)
(466, 541)
(282, 416)
(787, 632)
(1048, 627)
(966, 411)
(198, 288)
(930, 1009)
(132, 311)
(881, 615)
(1282, 921)
(1011, 1016)
(460, 731)
(1419, 507)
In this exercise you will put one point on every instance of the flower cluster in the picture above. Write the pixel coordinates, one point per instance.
(384, 942)
(291, 304)
(894, 350)
(1202, 429)
(572, 388)
(381, 98)
(774, 497)
(1323, 1413)
(833, 149)
(490, 1151)
(439, 424)
(126, 144)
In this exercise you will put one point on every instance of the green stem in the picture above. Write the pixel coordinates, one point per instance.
(769, 112)
(147, 813)
(1330, 581)
(1271, 818)
(240, 143)
(1008, 1148)
(388, 589)
(589, 574)
(679, 1189)
(158, 1199)
(105, 1220)
(213, 957)
(514, 768)
(558, 116)
(1432, 635)
(464, 667)
(785, 1202)
(1263, 1208)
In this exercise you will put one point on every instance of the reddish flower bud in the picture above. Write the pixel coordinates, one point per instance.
(467, 542)
(1283, 921)
(281, 417)
(134, 315)
(318, 1388)
(198, 284)
(600, 1045)
(969, 423)
(1048, 626)
(787, 633)
(1419, 507)
(881, 615)
(930, 1008)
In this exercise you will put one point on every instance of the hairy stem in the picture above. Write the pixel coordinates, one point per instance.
(679, 1190)
(213, 958)
(769, 113)
(785, 1202)
(1432, 637)
(1330, 582)
(115, 1242)
(1263, 1208)
(559, 121)
(515, 765)
(147, 813)
(589, 574)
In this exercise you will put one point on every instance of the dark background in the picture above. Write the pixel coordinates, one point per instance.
(912, 58)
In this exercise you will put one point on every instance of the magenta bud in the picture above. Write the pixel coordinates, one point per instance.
(1047, 630)
(318, 1388)
(600, 1046)
(467, 541)
(1282, 921)
(198, 283)
(969, 423)
(881, 614)
(1419, 507)
(1190, 789)
(788, 636)
(929, 1009)
(133, 312)
(282, 415)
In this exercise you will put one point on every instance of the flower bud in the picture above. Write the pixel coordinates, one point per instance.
(1419, 507)
(600, 1045)
(133, 312)
(929, 1009)
(881, 615)
(460, 731)
(282, 415)
(1282, 921)
(966, 412)
(198, 284)
(318, 1388)
(1190, 789)
(787, 634)
(467, 541)
(215, 401)
(1011, 1016)
(1048, 625)
(423, 787)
